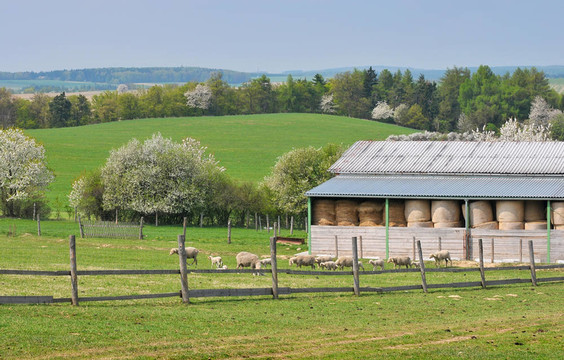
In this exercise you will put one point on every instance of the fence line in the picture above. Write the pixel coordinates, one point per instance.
(275, 290)
(110, 229)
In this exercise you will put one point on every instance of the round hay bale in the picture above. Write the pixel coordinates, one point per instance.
(510, 210)
(445, 211)
(369, 223)
(346, 214)
(396, 212)
(535, 210)
(511, 225)
(486, 225)
(448, 224)
(558, 227)
(324, 212)
(557, 217)
(480, 212)
(535, 225)
(417, 210)
(420, 224)
(370, 212)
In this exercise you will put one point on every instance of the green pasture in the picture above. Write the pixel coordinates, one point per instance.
(19, 85)
(503, 322)
(246, 145)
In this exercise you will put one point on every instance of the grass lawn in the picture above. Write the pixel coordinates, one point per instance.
(517, 321)
(247, 146)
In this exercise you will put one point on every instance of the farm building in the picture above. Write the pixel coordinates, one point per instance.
(445, 194)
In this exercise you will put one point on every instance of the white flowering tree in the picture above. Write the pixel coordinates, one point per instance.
(23, 172)
(541, 113)
(122, 89)
(382, 111)
(199, 98)
(158, 176)
(327, 105)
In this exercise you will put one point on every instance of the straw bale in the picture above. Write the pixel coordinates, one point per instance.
(417, 210)
(448, 224)
(535, 225)
(397, 224)
(511, 225)
(346, 213)
(535, 210)
(557, 217)
(370, 212)
(324, 212)
(443, 211)
(510, 210)
(396, 212)
(370, 223)
(420, 224)
(486, 225)
(480, 211)
(558, 227)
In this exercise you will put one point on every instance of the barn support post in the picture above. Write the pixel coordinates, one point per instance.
(183, 268)
(274, 266)
(422, 266)
(308, 225)
(355, 267)
(387, 215)
(482, 274)
(548, 210)
(73, 272)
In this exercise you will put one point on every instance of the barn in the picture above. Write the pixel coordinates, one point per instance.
(447, 195)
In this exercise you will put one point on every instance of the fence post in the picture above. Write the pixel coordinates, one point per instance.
(493, 251)
(80, 228)
(35, 213)
(260, 223)
(413, 244)
(141, 229)
(355, 267)
(292, 225)
(336, 247)
(521, 250)
(229, 231)
(38, 226)
(184, 226)
(440, 243)
(274, 266)
(74, 278)
(422, 266)
(278, 227)
(183, 268)
(268, 225)
(256, 222)
(533, 269)
(482, 274)
(361, 251)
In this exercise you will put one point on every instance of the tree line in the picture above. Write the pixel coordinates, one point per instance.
(461, 101)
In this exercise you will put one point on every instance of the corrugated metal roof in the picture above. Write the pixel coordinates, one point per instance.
(452, 187)
(454, 157)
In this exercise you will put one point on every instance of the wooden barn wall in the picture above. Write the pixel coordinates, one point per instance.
(506, 242)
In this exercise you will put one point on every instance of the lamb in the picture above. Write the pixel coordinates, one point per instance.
(216, 260)
(224, 267)
(247, 259)
(329, 265)
(441, 255)
(265, 262)
(323, 258)
(400, 261)
(293, 260)
(347, 261)
(376, 263)
(306, 260)
(415, 264)
(191, 253)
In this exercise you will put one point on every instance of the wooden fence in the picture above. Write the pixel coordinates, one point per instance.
(185, 293)
(110, 229)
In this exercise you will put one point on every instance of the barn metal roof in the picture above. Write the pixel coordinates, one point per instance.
(452, 157)
(450, 187)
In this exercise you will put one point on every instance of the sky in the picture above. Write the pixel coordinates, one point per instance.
(274, 36)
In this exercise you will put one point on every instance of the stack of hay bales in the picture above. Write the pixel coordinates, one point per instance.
(445, 214)
(396, 215)
(418, 213)
(346, 213)
(481, 215)
(324, 212)
(370, 213)
(535, 215)
(557, 217)
(510, 214)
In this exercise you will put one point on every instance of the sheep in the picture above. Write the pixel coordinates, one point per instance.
(347, 261)
(376, 263)
(415, 264)
(215, 260)
(265, 262)
(246, 259)
(224, 267)
(323, 258)
(400, 261)
(306, 260)
(441, 255)
(191, 253)
(293, 260)
(329, 265)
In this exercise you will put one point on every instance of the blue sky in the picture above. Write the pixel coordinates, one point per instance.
(272, 36)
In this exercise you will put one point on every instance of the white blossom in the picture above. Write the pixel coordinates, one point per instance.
(200, 97)
(122, 88)
(382, 111)
(327, 105)
(541, 113)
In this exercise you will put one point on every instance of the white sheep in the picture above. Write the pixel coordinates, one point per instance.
(247, 259)
(347, 261)
(224, 267)
(265, 262)
(329, 265)
(216, 260)
(323, 258)
(293, 260)
(306, 260)
(441, 255)
(415, 264)
(191, 253)
(376, 263)
(400, 261)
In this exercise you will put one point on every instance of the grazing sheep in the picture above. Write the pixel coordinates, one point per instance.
(400, 261)
(306, 260)
(347, 261)
(329, 265)
(323, 258)
(246, 259)
(265, 262)
(441, 255)
(215, 260)
(376, 263)
(292, 260)
(191, 253)
(415, 264)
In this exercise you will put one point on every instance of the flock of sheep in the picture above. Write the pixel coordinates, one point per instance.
(327, 262)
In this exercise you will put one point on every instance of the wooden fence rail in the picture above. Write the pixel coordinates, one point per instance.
(185, 294)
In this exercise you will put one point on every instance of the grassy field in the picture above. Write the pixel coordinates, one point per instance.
(518, 321)
(247, 146)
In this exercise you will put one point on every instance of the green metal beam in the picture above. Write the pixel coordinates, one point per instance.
(387, 228)
(308, 230)
(548, 211)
